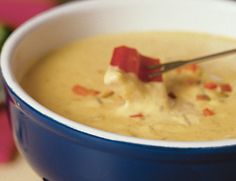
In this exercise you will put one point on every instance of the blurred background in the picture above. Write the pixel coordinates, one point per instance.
(13, 13)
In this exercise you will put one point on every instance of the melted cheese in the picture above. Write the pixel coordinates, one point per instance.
(50, 82)
(140, 97)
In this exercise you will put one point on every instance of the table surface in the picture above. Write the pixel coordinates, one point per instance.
(18, 170)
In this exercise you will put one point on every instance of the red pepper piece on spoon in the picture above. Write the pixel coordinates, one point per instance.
(131, 61)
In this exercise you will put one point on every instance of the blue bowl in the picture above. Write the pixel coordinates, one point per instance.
(59, 149)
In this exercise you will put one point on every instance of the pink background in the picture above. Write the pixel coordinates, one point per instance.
(15, 12)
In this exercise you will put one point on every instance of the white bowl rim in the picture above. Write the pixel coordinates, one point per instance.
(22, 31)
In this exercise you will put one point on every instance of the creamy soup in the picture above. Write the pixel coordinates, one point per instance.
(192, 103)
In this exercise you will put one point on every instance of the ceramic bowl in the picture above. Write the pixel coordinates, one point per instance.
(59, 149)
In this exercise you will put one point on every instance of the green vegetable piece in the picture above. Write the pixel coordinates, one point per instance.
(5, 31)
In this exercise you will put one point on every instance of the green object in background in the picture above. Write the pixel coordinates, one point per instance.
(5, 31)
(64, 1)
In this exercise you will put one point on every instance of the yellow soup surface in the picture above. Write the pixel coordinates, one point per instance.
(201, 102)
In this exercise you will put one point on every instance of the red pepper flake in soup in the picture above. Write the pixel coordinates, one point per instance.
(208, 112)
(191, 68)
(210, 85)
(139, 115)
(203, 97)
(83, 91)
(226, 88)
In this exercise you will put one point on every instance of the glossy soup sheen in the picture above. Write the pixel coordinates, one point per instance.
(51, 80)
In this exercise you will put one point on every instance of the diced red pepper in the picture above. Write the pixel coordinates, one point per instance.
(226, 88)
(130, 61)
(139, 115)
(191, 67)
(208, 112)
(192, 81)
(203, 97)
(83, 91)
(210, 85)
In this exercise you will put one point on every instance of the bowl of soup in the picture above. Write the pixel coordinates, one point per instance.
(84, 104)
